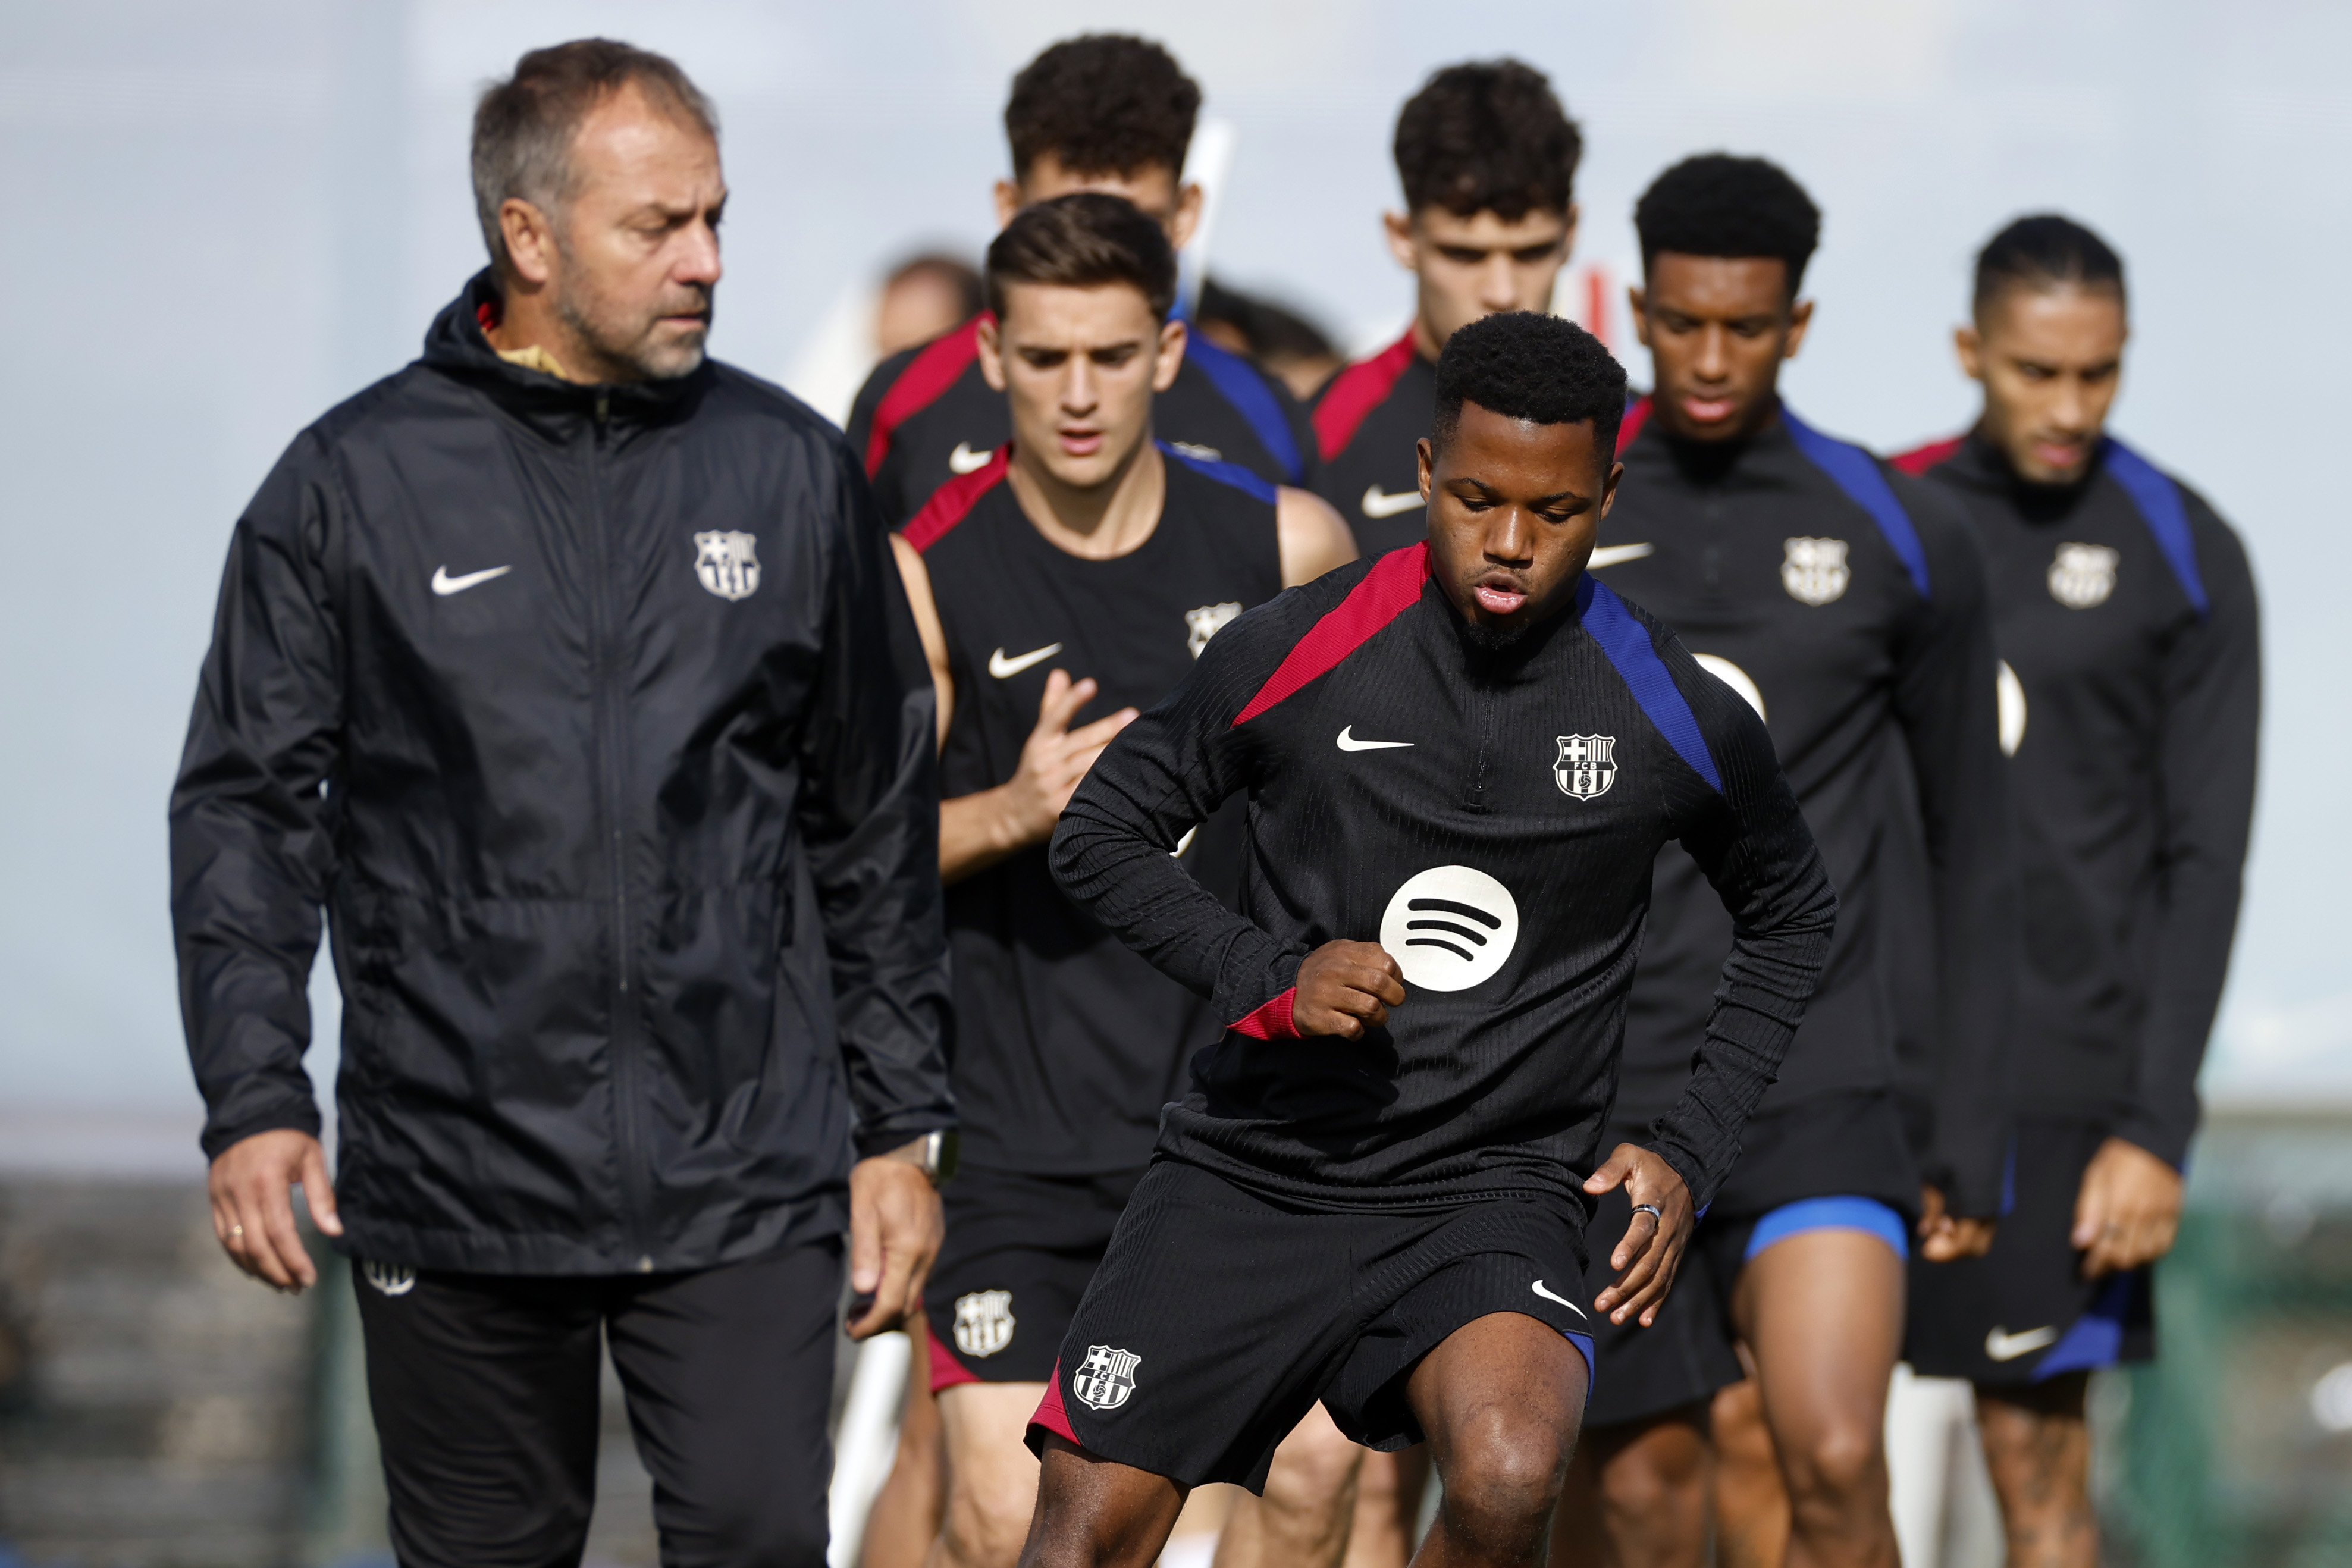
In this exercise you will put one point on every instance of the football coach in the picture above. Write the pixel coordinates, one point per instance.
(567, 672)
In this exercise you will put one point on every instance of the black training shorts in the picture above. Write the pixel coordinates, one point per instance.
(1843, 1145)
(2023, 1312)
(1219, 1316)
(1019, 1252)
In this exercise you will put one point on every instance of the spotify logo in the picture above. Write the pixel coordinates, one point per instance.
(1450, 927)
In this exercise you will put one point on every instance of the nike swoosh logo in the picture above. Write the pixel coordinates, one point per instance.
(2001, 1346)
(1347, 742)
(964, 461)
(1617, 554)
(1005, 668)
(445, 585)
(1379, 502)
(1563, 1301)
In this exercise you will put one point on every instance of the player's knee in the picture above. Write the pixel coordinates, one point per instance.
(1503, 1473)
(1649, 1479)
(986, 1524)
(1314, 1469)
(1841, 1462)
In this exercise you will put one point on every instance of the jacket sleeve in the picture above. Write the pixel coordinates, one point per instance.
(1946, 701)
(869, 813)
(2211, 691)
(252, 828)
(1751, 840)
(1113, 852)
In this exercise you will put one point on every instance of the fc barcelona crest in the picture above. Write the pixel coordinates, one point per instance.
(2082, 575)
(1814, 570)
(1105, 1378)
(727, 563)
(984, 1322)
(1586, 766)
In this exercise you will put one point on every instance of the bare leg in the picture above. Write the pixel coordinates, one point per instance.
(1823, 1314)
(1637, 1496)
(2038, 1447)
(1751, 1504)
(1501, 1400)
(1310, 1503)
(1095, 1514)
(905, 1517)
(991, 1476)
(1388, 1505)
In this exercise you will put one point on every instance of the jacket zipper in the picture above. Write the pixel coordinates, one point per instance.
(612, 716)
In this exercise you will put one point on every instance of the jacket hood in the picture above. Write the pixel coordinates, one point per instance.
(458, 346)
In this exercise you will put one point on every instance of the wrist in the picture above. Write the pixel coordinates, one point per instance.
(934, 1153)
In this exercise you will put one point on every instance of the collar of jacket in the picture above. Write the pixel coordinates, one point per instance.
(457, 347)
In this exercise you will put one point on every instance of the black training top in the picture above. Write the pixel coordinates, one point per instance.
(927, 415)
(1067, 1045)
(1491, 821)
(1847, 603)
(2126, 613)
(1368, 422)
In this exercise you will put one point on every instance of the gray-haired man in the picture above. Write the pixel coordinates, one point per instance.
(567, 669)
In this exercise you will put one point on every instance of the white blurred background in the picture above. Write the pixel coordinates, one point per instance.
(227, 217)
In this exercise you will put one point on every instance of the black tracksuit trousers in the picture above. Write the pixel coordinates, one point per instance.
(485, 1394)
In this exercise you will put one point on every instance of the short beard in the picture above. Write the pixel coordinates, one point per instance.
(582, 315)
(1491, 642)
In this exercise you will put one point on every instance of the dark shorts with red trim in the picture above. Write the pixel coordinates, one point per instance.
(1834, 1162)
(2023, 1313)
(1020, 1250)
(1220, 1315)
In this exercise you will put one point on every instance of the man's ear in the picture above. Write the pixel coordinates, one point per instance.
(1398, 227)
(1187, 220)
(1426, 459)
(992, 354)
(1609, 487)
(1800, 316)
(1170, 355)
(1637, 305)
(529, 241)
(1968, 345)
(1008, 202)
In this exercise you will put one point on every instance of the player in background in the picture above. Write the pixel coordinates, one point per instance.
(1376, 1192)
(1847, 603)
(1101, 112)
(1488, 159)
(2131, 694)
(1083, 546)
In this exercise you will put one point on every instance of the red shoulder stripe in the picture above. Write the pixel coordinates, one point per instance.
(1636, 416)
(930, 374)
(953, 501)
(1386, 591)
(1919, 459)
(1356, 392)
(1051, 1416)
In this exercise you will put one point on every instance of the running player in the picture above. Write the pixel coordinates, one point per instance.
(1488, 159)
(1082, 545)
(1102, 112)
(2125, 614)
(1376, 1192)
(1847, 605)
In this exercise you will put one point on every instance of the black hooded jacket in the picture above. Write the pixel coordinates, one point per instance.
(594, 719)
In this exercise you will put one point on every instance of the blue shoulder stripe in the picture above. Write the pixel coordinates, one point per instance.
(2160, 507)
(1627, 643)
(1254, 400)
(1245, 479)
(1856, 473)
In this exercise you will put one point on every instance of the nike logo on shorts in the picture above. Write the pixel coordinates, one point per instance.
(1563, 1301)
(1379, 502)
(1005, 668)
(964, 461)
(2002, 1346)
(1617, 554)
(1347, 742)
(445, 585)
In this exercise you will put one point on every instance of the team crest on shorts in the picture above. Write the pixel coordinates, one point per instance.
(727, 563)
(1586, 766)
(1105, 1378)
(2082, 575)
(984, 1322)
(391, 1279)
(1202, 624)
(1814, 570)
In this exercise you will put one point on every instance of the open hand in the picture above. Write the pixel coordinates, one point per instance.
(1056, 758)
(250, 1185)
(1650, 1251)
(1344, 988)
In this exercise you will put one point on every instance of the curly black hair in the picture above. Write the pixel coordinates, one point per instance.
(1718, 205)
(1487, 135)
(1081, 241)
(1105, 103)
(1523, 365)
(2043, 251)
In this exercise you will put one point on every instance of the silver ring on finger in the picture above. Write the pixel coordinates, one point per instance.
(1653, 1210)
